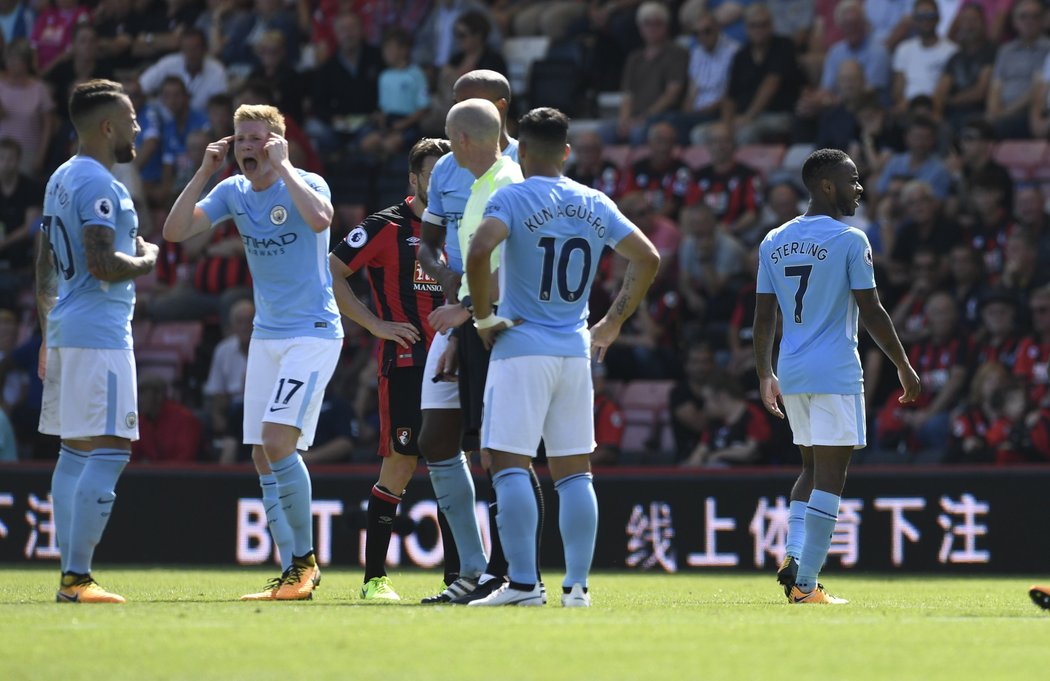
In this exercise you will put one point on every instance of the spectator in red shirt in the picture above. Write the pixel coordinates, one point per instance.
(168, 431)
(736, 429)
(1033, 355)
(976, 430)
(998, 339)
(664, 177)
(732, 190)
(608, 421)
(942, 361)
(591, 168)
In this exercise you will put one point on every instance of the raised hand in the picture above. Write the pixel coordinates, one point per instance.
(276, 149)
(215, 155)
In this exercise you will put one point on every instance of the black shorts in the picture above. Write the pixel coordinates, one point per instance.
(473, 369)
(400, 391)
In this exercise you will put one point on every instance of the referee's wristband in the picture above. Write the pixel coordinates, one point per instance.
(490, 321)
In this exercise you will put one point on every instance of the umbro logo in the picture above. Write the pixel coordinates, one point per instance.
(413, 241)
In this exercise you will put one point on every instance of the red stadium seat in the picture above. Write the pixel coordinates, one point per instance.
(182, 336)
(761, 157)
(645, 404)
(1021, 157)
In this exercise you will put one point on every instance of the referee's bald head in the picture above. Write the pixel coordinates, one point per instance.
(477, 119)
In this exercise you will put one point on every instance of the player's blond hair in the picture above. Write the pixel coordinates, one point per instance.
(269, 115)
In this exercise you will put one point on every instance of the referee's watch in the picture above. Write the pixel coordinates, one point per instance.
(467, 304)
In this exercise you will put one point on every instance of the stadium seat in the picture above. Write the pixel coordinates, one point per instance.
(520, 53)
(696, 156)
(644, 406)
(1021, 157)
(761, 157)
(184, 337)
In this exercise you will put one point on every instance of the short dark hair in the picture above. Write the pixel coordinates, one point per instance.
(425, 148)
(476, 22)
(923, 121)
(820, 164)
(398, 35)
(174, 80)
(220, 99)
(545, 127)
(980, 126)
(92, 95)
(194, 32)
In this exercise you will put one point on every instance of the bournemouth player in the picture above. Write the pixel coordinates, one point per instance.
(449, 427)
(818, 272)
(283, 215)
(386, 244)
(89, 254)
(551, 230)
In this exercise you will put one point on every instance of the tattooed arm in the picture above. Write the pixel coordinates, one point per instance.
(46, 280)
(107, 264)
(643, 261)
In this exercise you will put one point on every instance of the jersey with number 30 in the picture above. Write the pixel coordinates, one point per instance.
(558, 228)
(89, 313)
(813, 264)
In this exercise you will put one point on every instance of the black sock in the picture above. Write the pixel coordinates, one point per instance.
(539, 526)
(382, 507)
(448, 545)
(497, 566)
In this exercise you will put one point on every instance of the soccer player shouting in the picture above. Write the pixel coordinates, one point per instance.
(283, 215)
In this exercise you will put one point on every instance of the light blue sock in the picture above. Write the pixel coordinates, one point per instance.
(454, 490)
(280, 530)
(578, 522)
(92, 505)
(64, 480)
(822, 513)
(294, 493)
(517, 518)
(796, 528)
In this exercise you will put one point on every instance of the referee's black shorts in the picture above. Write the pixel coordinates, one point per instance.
(473, 369)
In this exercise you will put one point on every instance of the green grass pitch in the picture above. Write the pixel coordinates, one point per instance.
(187, 624)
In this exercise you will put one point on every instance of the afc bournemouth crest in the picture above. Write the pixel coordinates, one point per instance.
(279, 215)
(404, 435)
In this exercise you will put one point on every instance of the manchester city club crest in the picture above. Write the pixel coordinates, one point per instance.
(279, 215)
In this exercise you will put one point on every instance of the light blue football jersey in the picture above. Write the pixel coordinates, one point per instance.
(813, 264)
(447, 196)
(558, 228)
(287, 259)
(89, 313)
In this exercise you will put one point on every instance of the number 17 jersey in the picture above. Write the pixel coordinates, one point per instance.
(813, 264)
(558, 228)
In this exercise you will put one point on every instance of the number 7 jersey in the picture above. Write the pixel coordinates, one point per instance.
(813, 264)
(558, 228)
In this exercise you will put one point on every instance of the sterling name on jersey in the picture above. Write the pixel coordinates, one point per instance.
(447, 196)
(89, 313)
(558, 228)
(287, 259)
(813, 264)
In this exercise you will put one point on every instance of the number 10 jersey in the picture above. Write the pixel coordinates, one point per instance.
(558, 228)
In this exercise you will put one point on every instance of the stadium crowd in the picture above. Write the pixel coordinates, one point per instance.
(694, 116)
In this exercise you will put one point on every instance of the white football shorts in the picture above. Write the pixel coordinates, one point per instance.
(443, 394)
(90, 392)
(285, 383)
(826, 420)
(536, 396)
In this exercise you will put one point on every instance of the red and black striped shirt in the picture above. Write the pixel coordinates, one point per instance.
(387, 243)
(728, 195)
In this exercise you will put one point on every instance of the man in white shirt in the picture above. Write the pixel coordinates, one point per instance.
(918, 62)
(204, 76)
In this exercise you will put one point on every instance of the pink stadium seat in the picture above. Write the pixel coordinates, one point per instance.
(184, 337)
(761, 157)
(1021, 157)
(696, 156)
(167, 362)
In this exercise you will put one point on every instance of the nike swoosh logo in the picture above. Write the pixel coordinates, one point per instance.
(67, 598)
(240, 213)
(285, 496)
(273, 409)
(104, 501)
